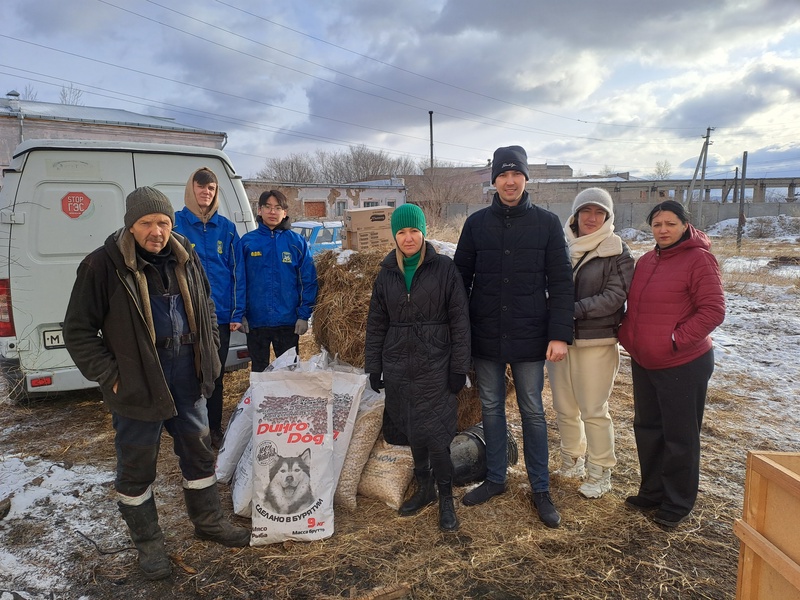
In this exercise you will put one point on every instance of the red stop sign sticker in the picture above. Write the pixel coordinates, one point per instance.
(74, 204)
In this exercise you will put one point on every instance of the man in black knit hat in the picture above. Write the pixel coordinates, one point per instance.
(514, 261)
(140, 322)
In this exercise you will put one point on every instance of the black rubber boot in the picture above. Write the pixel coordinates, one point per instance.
(142, 521)
(447, 511)
(205, 512)
(424, 496)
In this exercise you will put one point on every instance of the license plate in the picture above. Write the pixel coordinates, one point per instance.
(53, 338)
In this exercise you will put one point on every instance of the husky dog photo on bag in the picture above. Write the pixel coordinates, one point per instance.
(292, 456)
(289, 489)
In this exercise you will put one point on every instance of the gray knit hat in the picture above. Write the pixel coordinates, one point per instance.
(597, 196)
(144, 201)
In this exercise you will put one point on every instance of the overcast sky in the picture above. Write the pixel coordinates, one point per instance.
(595, 84)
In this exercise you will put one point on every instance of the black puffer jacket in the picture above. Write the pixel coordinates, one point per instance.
(416, 339)
(111, 296)
(518, 275)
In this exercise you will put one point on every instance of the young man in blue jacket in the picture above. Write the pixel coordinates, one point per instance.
(281, 282)
(217, 243)
(513, 258)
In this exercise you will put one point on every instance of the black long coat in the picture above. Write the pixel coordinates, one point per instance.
(416, 339)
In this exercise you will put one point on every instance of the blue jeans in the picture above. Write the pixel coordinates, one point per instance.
(528, 381)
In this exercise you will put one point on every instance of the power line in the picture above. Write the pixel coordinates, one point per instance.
(497, 122)
(484, 120)
(305, 113)
(137, 99)
(453, 86)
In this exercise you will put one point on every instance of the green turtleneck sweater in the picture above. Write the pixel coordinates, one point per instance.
(410, 264)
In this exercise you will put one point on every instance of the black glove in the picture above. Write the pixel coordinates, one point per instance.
(456, 381)
(375, 382)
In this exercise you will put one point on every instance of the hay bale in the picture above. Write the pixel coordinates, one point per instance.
(469, 405)
(340, 316)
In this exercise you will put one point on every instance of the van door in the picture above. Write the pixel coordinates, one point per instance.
(170, 176)
(66, 206)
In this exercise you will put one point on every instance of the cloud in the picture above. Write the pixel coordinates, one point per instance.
(584, 83)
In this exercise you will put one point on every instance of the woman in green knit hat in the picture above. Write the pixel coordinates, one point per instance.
(418, 339)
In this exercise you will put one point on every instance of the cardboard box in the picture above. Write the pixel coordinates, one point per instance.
(769, 531)
(367, 238)
(373, 218)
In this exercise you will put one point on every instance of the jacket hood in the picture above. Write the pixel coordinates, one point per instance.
(693, 238)
(191, 202)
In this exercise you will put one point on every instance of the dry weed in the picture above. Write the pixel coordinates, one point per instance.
(501, 551)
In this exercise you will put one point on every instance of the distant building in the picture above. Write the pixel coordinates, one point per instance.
(329, 201)
(22, 120)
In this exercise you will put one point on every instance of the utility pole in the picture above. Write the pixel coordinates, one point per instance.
(740, 228)
(430, 118)
(701, 160)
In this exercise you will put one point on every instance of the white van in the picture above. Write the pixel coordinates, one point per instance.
(60, 200)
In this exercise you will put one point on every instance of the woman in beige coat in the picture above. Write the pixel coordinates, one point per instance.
(602, 268)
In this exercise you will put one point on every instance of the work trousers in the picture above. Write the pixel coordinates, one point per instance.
(138, 442)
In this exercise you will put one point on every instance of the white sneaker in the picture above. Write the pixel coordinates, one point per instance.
(572, 468)
(597, 483)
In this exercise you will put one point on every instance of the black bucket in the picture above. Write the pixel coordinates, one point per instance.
(468, 453)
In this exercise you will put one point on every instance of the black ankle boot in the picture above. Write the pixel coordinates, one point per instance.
(424, 495)
(447, 511)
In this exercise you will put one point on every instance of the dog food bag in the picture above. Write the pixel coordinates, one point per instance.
(242, 483)
(237, 436)
(366, 430)
(348, 389)
(387, 473)
(292, 456)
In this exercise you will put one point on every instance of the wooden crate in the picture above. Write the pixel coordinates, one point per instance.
(769, 531)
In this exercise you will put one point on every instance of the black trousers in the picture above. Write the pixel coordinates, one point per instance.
(214, 403)
(436, 458)
(668, 414)
(259, 340)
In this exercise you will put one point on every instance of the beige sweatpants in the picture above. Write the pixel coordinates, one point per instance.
(581, 385)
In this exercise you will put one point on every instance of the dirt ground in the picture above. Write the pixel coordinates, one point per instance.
(501, 551)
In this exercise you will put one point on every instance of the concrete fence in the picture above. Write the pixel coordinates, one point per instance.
(634, 214)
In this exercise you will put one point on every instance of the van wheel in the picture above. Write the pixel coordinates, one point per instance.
(12, 384)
